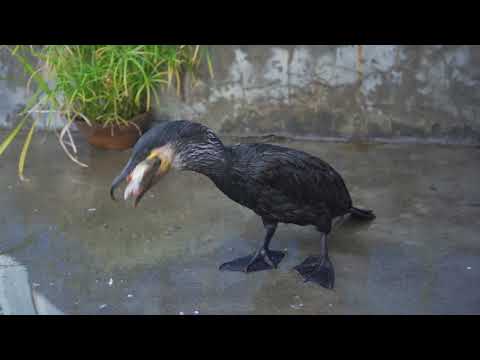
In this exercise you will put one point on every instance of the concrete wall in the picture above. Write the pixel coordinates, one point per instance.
(14, 94)
(330, 91)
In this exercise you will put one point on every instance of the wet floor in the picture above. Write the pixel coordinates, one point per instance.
(85, 254)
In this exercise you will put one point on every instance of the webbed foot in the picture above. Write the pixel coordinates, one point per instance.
(318, 269)
(261, 260)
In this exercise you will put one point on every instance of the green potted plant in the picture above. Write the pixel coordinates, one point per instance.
(108, 91)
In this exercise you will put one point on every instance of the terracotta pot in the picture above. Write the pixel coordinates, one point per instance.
(115, 137)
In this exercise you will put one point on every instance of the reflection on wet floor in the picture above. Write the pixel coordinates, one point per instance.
(85, 254)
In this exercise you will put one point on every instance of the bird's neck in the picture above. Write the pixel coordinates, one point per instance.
(209, 158)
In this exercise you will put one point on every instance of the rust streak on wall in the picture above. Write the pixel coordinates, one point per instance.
(360, 62)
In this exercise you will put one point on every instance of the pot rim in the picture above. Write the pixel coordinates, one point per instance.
(139, 118)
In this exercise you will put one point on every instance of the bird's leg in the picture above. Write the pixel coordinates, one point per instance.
(264, 252)
(262, 259)
(318, 269)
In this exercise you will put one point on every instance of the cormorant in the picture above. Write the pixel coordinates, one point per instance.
(279, 184)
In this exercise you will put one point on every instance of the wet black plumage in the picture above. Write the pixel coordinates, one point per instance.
(279, 184)
(285, 185)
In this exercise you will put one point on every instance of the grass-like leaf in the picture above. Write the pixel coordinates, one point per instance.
(102, 84)
(10, 137)
(23, 154)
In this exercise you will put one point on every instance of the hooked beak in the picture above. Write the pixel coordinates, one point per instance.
(140, 178)
(143, 177)
(120, 178)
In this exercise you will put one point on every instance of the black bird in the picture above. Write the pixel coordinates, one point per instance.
(279, 184)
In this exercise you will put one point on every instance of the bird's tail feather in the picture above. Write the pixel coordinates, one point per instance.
(362, 214)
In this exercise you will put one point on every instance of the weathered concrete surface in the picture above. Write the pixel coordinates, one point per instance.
(14, 94)
(427, 92)
(15, 289)
(88, 255)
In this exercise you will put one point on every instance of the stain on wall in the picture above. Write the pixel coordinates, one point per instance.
(326, 91)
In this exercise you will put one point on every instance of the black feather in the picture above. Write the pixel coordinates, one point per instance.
(278, 183)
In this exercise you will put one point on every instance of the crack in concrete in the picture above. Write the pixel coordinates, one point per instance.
(32, 296)
(10, 266)
(24, 244)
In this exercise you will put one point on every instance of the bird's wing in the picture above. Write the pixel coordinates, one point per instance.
(292, 182)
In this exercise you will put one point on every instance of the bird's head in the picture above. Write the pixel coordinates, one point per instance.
(176, 144)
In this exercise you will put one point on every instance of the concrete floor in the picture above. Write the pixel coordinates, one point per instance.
(78, 252)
